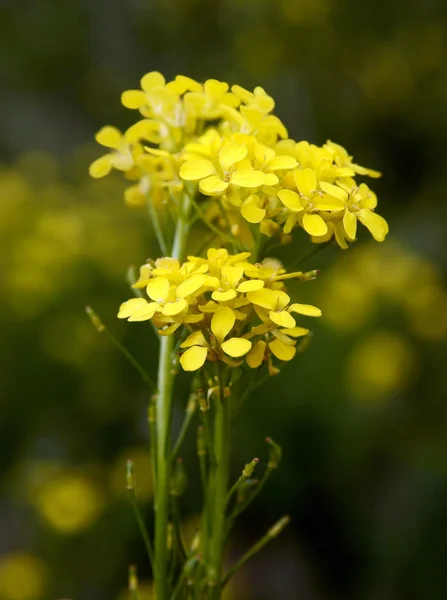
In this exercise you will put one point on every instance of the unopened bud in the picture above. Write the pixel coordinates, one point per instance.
(275, 453)
(245, 489)
(249, 468)
(203, 400)
(192, 403)
(195, 541)
(130, 478)
(179, 479)
(201, 443)
(278, 527)
(269, 228)
(151, 411)
(133, 579)
(285, 239)
(94, 318)
(309, 275)
(170, 536)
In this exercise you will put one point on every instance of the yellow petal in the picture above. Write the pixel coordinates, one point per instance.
(174, 308)
(193, 170)
(133, 99)
(110, 137)
(152, 80)
(231, 154)
(263, 153)
(193, 358)
(248, 178)
(251, 212)
(291, 200)
(314, 224)
(222, 322)
(236, 347)
(327, 202)
(282, 319)
(250, 286)
(232, 274)
(282, 351)
(305, 309)
(282, 162)
(306, 181)
(263, 297)
(195, 339)
(130, 306)
(256, 355)
(270, 179)
(334, 190)
(144, 313)
(101, 167)
(190, 285)
(223, 296)
(350, 224)
(158, 289)
(375, 223)
(213, 186)
(296, 331)
(282, 299)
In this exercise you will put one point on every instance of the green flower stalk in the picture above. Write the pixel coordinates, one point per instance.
(216, 164)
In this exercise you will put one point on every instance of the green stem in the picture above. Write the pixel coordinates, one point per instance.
(218, 491)
(157, 227)
(163, 426)
(270, 535)
(141, 526)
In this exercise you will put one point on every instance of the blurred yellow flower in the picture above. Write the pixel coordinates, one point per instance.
(22, 577)
(70, 503)
(381, 366)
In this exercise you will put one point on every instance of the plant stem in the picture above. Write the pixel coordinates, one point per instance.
(218, 490)
(270, 535)
(163, 426)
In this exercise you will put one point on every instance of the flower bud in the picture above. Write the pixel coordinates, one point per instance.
(275, 453)
(130, 478)
(179, 479)
(94, 318)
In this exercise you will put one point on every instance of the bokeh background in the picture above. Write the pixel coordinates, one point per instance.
(361, 416)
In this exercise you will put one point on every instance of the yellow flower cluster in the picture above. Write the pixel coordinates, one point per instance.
(231, 308)
(237, 152)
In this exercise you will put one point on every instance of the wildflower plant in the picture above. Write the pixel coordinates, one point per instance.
(204, 155)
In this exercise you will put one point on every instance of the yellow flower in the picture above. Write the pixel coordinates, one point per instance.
(209, 103)
(311, 198)
(216, 175)
(219, 300)
(126, 148)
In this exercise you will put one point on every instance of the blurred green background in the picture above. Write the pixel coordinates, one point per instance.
(362, 416)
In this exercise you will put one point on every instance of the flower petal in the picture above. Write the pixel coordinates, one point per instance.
(250, 286)
(314, 224)
(282, 319)
(133, 99)
(305, 309)
(110, 137)
(213, 186)
(248, 178)
(252, 212)
(158, 289)
(306, 181)
(327, 202)
(152, 80)
(291, 200)
(282, 162)
(282, 351)
(256, 355)
(350, 224)
(190, 285)
(195, 339)
(296, 331)
(263, 297)
(193, 358)
(374, 222)
(223, 296)
(174, 308)
(101, 167)
(231, 154)
(144, 313)
(334, 190)
(222, 322)
(193, 170)
(130, 306)
(236, 347)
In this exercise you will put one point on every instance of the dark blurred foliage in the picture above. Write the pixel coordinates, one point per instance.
(361, 415)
